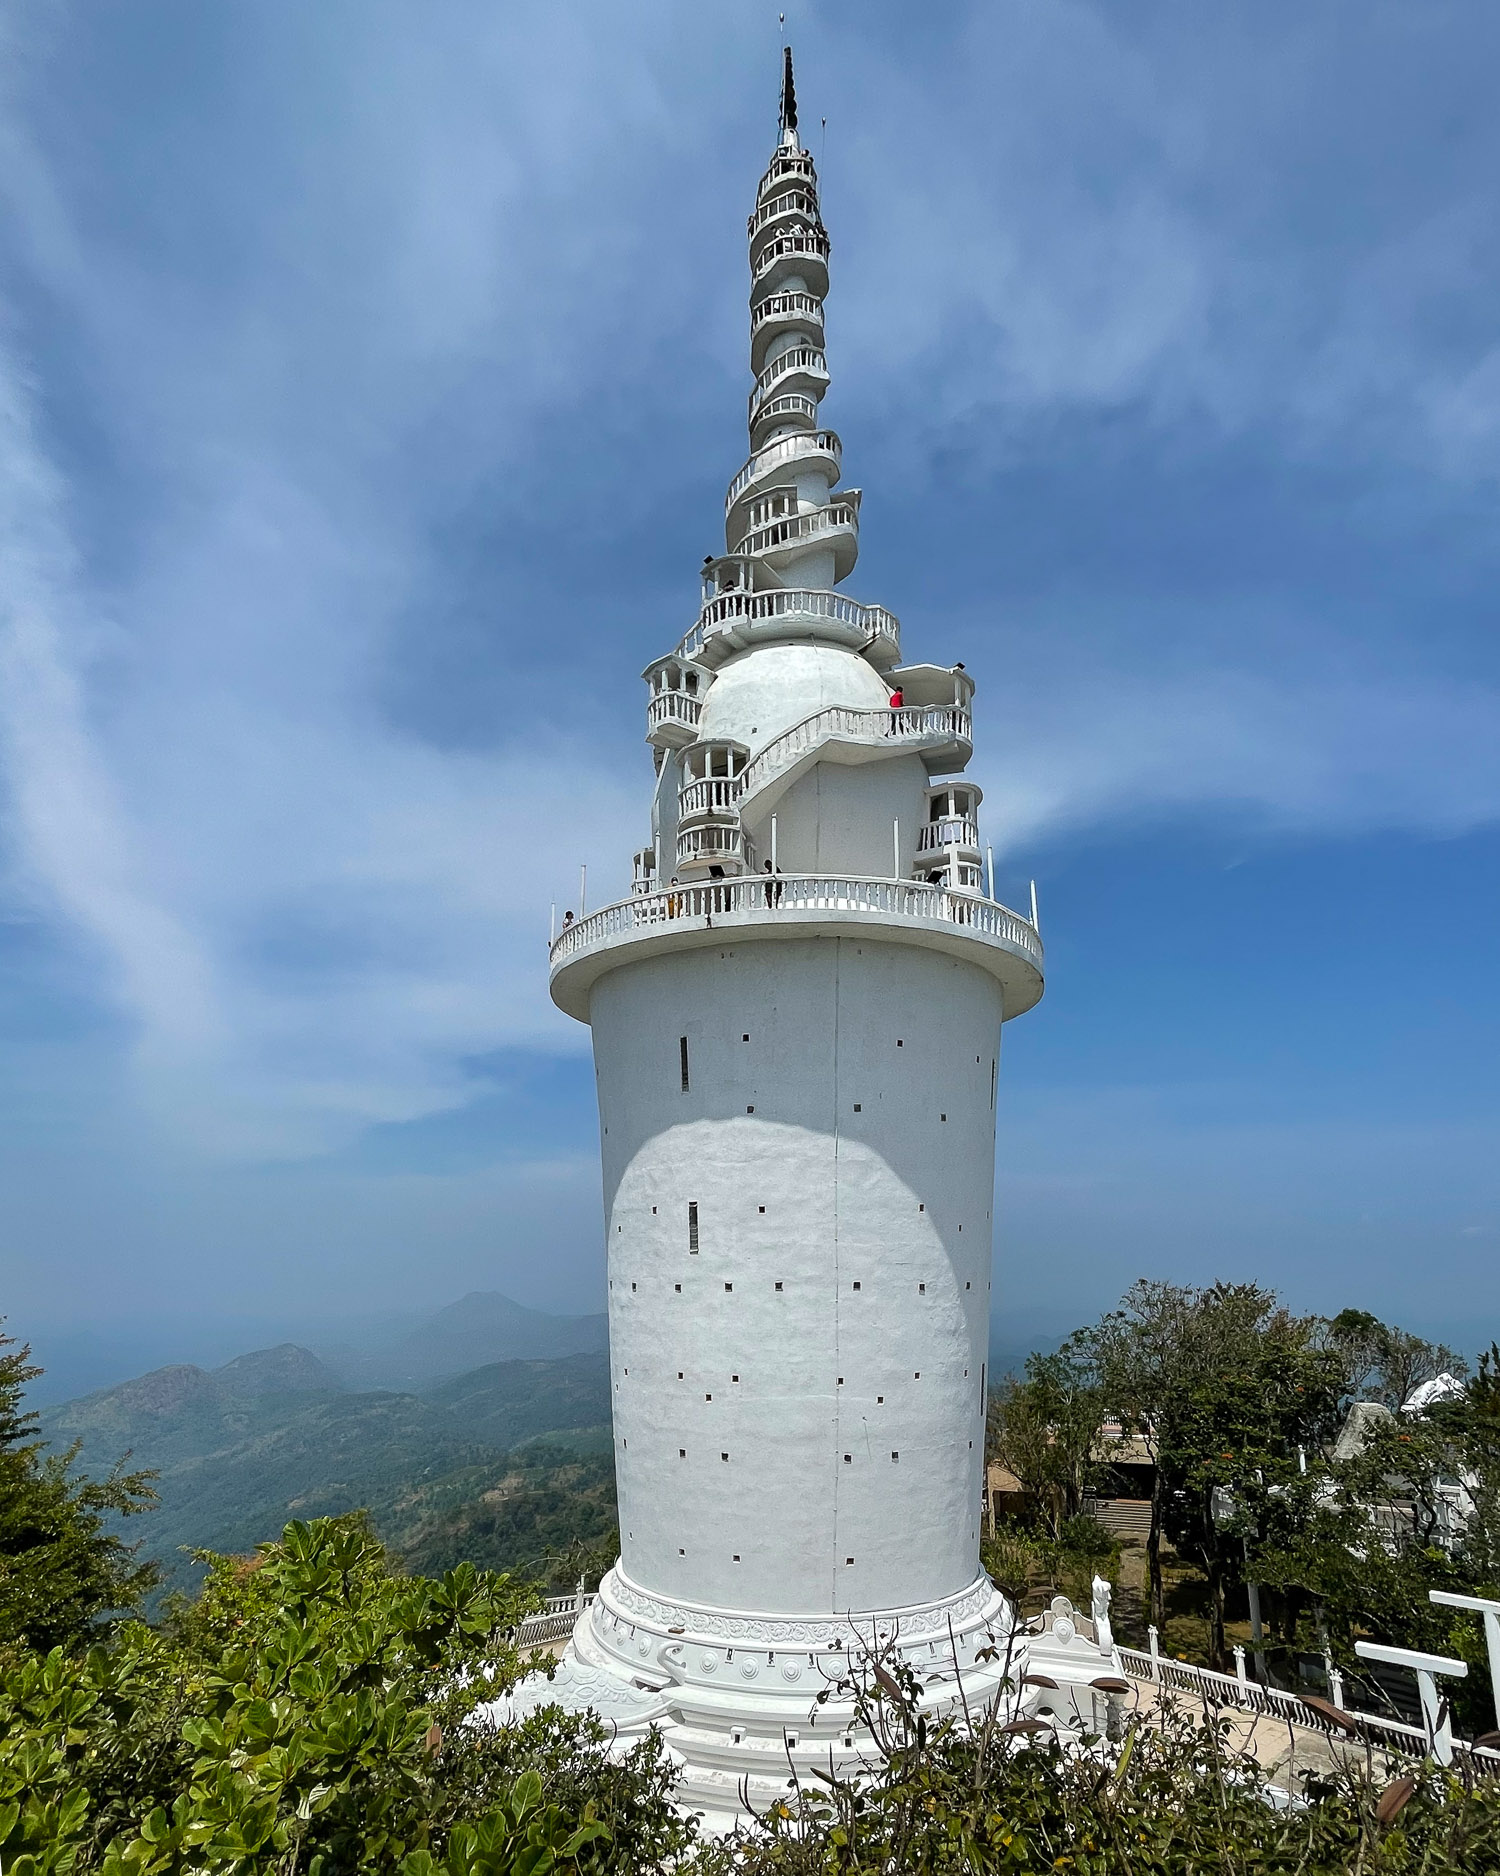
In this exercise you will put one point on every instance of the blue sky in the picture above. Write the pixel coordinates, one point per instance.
(369, 379)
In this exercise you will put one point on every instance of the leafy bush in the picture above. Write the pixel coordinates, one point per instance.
(1175, 1798)
(312, 1709)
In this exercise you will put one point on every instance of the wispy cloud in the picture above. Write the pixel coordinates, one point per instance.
(413, 366)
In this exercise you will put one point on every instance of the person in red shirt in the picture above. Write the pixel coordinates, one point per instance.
(898, 698)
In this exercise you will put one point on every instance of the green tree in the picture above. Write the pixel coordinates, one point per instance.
(1045, 1429)
(1229, 1391)
(62, 1567)
(1386, 1364)
(312, 1709)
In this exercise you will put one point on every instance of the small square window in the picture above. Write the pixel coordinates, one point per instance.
(895, 1458)
(848, 1560)
(880, 1400)
(848, 1459)
(778, 1286)
(856, 1286)
(679, 1374)
(858, 1107)
(762, 1208)
(841, 1380)
(708, 1396)
(632, 1286)
(967, 1286)
(734, 1377)
(921, 1208)
(922, 1289)
(678, 1288)
(750, 1110)
(680, 1551)
(728, 1286)
(724, 1456)
(942, 1116)
(899, 1043)
(918, 1375)
(737, 1554)
(745, 1038)
(682, 1452)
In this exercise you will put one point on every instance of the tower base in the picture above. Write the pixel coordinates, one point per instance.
(734, 1694)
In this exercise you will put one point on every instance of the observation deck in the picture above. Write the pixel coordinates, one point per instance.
(769, 908)
(729, 622)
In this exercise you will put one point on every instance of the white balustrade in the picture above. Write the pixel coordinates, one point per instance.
(765, 895)
(911, 723)
(811, 244)
(788, 602)
(714, 841)
(797, 358)
(789, 530)
(953, 830)
(790, 201)
(713, 794)
(779, 306)
(673, 706)
(784, 450)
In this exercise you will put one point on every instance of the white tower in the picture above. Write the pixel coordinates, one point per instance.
(796, 1022)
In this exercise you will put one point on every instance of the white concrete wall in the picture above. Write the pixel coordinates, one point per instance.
(760, 693)
(840, 818)
(846, 1153)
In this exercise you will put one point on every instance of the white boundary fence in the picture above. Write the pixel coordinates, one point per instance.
(1226, 1690)
(556, 1621)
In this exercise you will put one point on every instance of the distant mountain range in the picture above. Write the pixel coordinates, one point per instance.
(515, 1453)
(480, 1328)
(483, 1432)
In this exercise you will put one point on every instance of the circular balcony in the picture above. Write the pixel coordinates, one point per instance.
(802, 252)
(729, 622)
(676, 702)
(818, 451)
(672, 718)
(778, 543)
(785, 409)
(782, 312)
(786, 166)
(954, 830)
(713, 798)
(794, 203)
(802, 370)
(716, 847)
(791, 906)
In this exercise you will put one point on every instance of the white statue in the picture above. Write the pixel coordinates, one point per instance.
(1104, 1635)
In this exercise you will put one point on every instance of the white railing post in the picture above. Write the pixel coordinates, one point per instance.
(1153, 1647)
(1436, 1721)
(1490, 1610)
(1335, 1684)
(1239, 1666)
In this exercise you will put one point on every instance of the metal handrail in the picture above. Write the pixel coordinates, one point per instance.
(759, 894)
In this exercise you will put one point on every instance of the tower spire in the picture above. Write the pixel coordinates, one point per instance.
(788, 99)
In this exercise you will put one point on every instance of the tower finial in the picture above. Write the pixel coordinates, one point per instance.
(788, 96)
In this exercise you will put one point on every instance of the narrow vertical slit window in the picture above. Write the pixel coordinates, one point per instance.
(692, 1224)
(682, 1052)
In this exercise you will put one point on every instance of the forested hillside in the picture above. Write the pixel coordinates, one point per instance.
(512, 1460)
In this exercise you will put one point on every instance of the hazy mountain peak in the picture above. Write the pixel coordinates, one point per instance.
(286, 1369)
